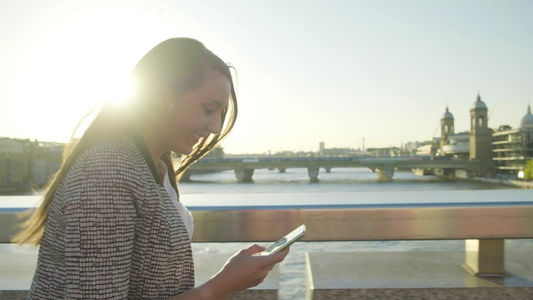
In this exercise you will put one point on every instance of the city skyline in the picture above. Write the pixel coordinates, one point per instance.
(308, 72)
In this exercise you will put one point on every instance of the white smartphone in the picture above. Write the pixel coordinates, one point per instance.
(284, 242)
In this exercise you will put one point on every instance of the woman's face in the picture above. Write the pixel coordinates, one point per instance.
(197, 113)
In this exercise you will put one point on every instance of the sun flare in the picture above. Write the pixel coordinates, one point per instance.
(64, 79)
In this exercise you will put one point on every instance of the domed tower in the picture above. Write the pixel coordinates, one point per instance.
(480, 139)
(446, 128)
(527, 120)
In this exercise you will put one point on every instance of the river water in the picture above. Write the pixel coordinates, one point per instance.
(339, 180)
(292, 270)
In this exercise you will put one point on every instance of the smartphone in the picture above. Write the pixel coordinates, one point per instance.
(284, 242)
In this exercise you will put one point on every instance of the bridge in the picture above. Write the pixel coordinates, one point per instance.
(384, 167)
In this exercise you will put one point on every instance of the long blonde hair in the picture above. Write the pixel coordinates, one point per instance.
(181, 63)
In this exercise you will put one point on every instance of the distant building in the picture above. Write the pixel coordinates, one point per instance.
(446, 129)
(323, 151)
(502, 152)
(454, 145)
(217, 152)
(384, 152)
(513, 147)
(428, 148)
(457, 146)
(25, 164)
(480, 140)
(410, 147)
(47, 158)
(15, 165)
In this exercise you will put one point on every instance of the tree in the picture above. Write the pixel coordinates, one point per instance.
(528, 170)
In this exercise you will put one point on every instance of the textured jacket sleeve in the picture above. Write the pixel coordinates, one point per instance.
(99, 216)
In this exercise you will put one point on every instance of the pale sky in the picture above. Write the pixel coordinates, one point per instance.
(308, 71)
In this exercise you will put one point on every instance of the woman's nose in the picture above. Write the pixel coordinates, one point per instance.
(215, 124)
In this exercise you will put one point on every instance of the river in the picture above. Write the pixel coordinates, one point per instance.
(339, 180)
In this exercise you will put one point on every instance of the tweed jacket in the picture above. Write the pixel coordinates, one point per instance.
(112, 231)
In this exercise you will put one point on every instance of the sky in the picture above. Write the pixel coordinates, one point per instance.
(338, 72)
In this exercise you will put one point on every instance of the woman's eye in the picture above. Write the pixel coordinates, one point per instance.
(208, 111)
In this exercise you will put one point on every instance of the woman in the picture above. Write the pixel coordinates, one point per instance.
(111, 225)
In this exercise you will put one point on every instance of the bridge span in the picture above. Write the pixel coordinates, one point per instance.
(383, 166)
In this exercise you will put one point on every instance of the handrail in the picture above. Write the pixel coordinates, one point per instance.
(426, 215)
(482, 218)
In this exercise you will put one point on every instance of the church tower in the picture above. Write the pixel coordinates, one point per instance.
(446, 128)
(480, 140)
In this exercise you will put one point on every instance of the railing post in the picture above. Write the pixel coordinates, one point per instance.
(485, 258)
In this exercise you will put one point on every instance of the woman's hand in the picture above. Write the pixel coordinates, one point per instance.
(243, 270)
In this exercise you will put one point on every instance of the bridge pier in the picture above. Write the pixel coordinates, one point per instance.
(385, 174)
(313, 173)
(328, 170)
(244, 175)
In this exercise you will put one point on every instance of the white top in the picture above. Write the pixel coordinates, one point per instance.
(185, 214)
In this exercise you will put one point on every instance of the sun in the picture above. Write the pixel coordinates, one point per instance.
(65, 79)
(58, 92)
